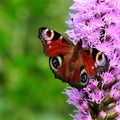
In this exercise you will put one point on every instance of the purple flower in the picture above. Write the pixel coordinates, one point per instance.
(115, 91)
(97, 23)
(102, 114)
(117, 107)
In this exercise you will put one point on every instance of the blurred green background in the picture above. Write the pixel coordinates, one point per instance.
(28, 89)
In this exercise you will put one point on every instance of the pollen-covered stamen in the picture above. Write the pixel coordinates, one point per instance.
(47, 34)
(100, 59)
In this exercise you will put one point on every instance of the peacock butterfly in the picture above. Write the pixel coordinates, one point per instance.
(71, 63)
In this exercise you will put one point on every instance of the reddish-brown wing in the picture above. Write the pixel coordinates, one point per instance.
(54, 43)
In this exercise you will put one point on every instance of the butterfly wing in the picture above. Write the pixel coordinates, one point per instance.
(94, 61)
(53, 42)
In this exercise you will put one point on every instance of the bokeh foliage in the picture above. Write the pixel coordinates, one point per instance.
(28, 89)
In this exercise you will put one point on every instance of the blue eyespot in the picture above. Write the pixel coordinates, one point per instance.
(83, 78)
(55, 62)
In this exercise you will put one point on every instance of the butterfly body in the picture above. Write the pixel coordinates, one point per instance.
(71, 63)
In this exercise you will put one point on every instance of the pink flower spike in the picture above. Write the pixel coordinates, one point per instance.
(108, 78)
(102, 114)
(75, 96)
(117, 118)
(115, 91)
(117, 107)
(82, 116)
(96, 96)
(97, 24)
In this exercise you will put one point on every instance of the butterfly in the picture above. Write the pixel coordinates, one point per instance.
(71, 63)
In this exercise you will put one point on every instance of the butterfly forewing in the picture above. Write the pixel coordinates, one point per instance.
(54, 43)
